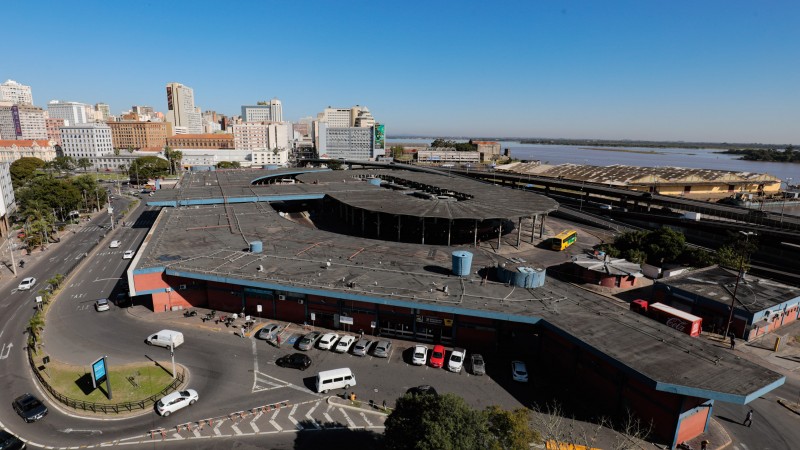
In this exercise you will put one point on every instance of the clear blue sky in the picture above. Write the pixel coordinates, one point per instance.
(679, 70)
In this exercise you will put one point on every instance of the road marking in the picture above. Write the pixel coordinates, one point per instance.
(364, 416)
(350, 422)
(390, 356)
(272, 420)
(292, 419)
(236, 429)
(196, 432)
(254, 426)
(328, 417)
(5, 350)
(177, 436)
(216, 428)
(311, 419)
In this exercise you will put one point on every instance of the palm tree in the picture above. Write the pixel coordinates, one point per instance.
(35, 327)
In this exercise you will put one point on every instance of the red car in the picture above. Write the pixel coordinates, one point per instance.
(437, 356)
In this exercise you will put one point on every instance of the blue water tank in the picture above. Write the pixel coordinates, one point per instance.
(256, 247)
(462, 263)
(537, 277)
(271, 167)
(375, 181)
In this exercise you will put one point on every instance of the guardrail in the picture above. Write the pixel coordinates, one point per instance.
(106, 408)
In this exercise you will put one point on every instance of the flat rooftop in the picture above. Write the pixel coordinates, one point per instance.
(211, 242)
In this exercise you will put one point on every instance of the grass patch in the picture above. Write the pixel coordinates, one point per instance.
(129, 383)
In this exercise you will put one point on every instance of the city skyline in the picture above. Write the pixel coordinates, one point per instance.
(711, 71)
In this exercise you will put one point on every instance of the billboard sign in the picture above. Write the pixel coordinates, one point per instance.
(98, 372)
(15, 118)
(169, 98)
(380, 136)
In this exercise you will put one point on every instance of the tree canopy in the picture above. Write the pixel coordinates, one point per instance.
(147, 167)
(228, 165)
(459, 146)
(23, 170)
(664, 245)
(424, 422)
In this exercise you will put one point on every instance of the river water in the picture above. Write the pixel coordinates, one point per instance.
(634, 156)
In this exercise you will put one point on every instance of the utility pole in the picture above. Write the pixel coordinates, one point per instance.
(11, 252)
(738, 278)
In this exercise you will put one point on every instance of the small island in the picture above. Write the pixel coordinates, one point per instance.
(769, 154)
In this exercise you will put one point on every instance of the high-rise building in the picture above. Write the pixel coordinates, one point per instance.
(87, 141)
(22, 122)
(256, 113)
(13, 92)
(143, 110)
(276, 110)
(102, 112)
(145, 136)
(261, 136)
(54, 130)
(181, 111)
(347, 142)
(8, 205)
(336, 117)
(364, 119)
(73, 113)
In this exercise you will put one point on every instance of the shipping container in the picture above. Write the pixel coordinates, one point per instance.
(672, 317)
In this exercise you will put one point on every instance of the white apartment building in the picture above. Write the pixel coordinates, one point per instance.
(181, 111)
(8, 204)
(261, 136)
(279, 157)
(256, 113)
(346, 142)
(447, 155)
(208, 157)
(13, 92)
(102, 112)
(87, 141)
(276, 110)
(73, 113)
(22, 122)
(12, 150)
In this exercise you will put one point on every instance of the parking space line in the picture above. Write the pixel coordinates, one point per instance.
(390, 355)
(273, 422)
(364, 416)
(350, 422)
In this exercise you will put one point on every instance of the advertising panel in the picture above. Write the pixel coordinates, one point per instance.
(15, 118)
(98, 372)
(380, 136)
(169, 98)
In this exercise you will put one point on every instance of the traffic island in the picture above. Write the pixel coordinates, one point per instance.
(134, 387)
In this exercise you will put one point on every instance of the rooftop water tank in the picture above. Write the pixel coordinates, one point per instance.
(375, 181)
(462, 263)
(256, 247)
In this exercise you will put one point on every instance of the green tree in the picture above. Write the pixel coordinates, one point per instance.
(334, 164)
(147, 167)
(84, 163)
(664, 245)
(23, 170)
(130, 149)
(510, 430)
(174, 157)
(397, 151)
(35, 327)
(446, 422)
(116, 151)
(43, 195)
(62, 163)
(228, 165)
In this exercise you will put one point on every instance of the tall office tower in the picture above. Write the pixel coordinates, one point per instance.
(260, 136)
(143, 110)
(87, 140)
(102, 111)
(256, 113)
(181, 112)
(276, 110)
(22, 122)
(364, 119)
(73, 113)
(336, 117)
(13, 92)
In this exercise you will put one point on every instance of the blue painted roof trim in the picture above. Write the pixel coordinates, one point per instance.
(284, 174)
(146, 270)
(250, 199)
(152, 291)
(728, 398)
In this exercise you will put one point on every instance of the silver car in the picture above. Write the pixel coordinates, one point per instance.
(382, 349)
(362, 347)
(307, 342)
(478, 366)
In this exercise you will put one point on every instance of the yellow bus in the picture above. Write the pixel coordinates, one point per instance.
(564, 239)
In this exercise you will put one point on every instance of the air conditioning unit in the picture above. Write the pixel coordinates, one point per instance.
(300, 301)
(182, 287)
(168, 289)
(281, 297)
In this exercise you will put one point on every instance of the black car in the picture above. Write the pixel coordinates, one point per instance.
(425, 389)
(10, 442)
(29, 407)
(294, 361)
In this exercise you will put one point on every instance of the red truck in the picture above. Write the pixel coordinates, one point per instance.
(672, 317)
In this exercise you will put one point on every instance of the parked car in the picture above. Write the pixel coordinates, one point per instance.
(519, 372)
(294, 361)
(420, 355)
(456, 361)
(361, 347)
(114, 244)
(128, 254)
(327, 340)
(101, 304)
(10, 442)
(307, 342)
(437, 356)
(29, 407)
(26, 284)
(424, 389)
(382, 349)
(477, 364)
(344, 344)
(175, 401)
(268, 331)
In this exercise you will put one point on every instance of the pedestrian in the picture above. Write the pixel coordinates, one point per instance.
(704, 444)
(748, 420)
(733, 342)
(278, 338)
(361, 334)
(352, 396)
(242, 330)
(384, 405)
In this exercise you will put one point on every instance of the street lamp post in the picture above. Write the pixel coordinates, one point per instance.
(783, 205)
(738, 278)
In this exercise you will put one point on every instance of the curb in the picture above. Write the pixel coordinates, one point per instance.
(330, 401)
(789, 405)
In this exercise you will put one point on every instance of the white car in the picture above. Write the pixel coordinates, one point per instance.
(420, 356)
(519, 372)
(101, 304)
(128, 254)
(327, 340)
(176, 401)
(114, 244)
(456, 361)
(344, 344)
(26, 284)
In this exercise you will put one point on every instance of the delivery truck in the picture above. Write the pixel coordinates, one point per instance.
(672, 317)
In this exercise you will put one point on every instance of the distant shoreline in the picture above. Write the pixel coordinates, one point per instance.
(593, 143)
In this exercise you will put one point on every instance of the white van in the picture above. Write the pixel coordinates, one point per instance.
(335, 379)
(165, 338)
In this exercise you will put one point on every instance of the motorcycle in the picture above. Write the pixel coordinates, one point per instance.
(190, 313)
(21, 264)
